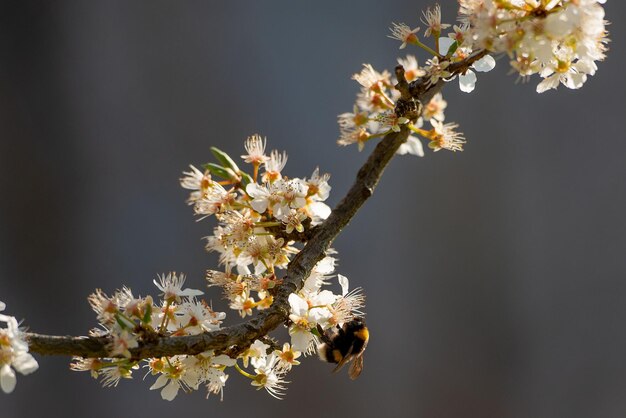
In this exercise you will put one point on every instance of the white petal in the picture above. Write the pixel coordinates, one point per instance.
(243, 269)
(259, 362)
(486, 63)
(25, 363)
(320, 316)
(586, 67)
(344, 283)
(298, 305)
(160, 382)
(259, 347)
(412, 146)
(444, 44)
(559, 24)
(325, 297)
(2, 306)
(254, 190)
(259, 205)
(313, 283)
(280, 211)
(158, 285)
(319, 209)
(326, 265)
(259, 268)
(551, 82)
(170, 391)
(191, 292)
(224, 360)
(298, 202)
(543, 51)
(14, 329)
(467, 81)
(7, 379)
(575, 81)
(300, 339)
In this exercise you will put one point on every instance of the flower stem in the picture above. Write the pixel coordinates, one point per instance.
(243, 372)
(266, 224)
(419, 131)
(165, 312)
(428, 49)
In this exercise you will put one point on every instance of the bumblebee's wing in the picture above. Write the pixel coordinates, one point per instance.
(344, 360)
(356, 367)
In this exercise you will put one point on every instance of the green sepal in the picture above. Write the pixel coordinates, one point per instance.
(120, 321)
(452, 49)
(224, 159)
(147, 318)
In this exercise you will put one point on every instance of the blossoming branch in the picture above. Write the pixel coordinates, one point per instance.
(274, 232)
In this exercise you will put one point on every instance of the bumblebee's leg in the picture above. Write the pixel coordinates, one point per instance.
(326, 335)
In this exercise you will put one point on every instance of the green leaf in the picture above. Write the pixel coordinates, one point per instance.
(224, 159)
(245, 179)
(217, 170)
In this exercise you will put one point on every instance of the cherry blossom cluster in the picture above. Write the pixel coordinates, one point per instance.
(260, 217)
(313, 309)
(259, 225)
(373, 115)
(126, 320)
(14, 355)
(560, 40)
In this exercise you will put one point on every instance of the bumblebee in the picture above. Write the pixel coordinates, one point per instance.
(344, 344)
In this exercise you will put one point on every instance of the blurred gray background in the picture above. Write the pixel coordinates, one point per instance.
(496, 277)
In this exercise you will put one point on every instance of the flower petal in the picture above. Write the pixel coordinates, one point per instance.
(160, 382)
(7, 379)
(224, 360)
(343, 282)
(25, 363)
(467, 81)
(300, 339)
(412, 146)
(298, 305)
(575, 80)
(551, 82)
(444, 45)
(319, 209)
(170, 391)
(486, 63)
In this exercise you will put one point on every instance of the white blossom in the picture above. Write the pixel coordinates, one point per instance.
(172, 287)
(403, 33)
(255, 146)
(14, 355)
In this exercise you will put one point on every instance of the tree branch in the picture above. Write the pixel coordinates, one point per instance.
(234, 339)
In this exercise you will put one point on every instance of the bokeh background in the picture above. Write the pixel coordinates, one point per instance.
(496, 277)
